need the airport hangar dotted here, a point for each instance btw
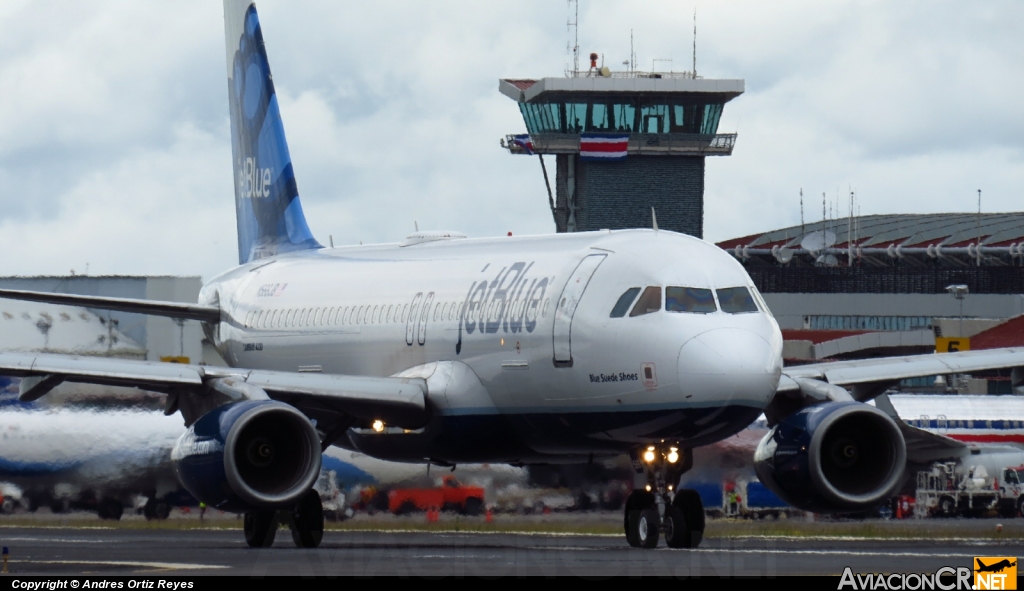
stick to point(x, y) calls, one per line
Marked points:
point(72, 330)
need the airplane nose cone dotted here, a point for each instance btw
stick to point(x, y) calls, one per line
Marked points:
point(728, 364)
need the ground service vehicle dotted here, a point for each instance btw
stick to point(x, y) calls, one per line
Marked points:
point(450, 496)
point(948, 490)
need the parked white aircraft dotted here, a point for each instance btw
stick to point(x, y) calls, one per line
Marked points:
point(523, 350)
point(70, 458)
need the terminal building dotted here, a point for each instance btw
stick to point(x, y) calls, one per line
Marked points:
point(625, 144)
point(884, 285)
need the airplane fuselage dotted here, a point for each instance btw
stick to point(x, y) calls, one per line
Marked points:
point(516, 335)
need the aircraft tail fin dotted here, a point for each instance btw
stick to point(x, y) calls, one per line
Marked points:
point(269, 215)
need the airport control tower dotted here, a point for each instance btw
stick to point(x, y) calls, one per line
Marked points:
point(624, 142)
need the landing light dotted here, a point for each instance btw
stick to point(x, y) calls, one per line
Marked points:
point(378, 426)
point(649, 456)
point(648, 488)
point(673, 457)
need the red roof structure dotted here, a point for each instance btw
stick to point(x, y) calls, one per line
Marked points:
point(818, 336)
point(1007, 334)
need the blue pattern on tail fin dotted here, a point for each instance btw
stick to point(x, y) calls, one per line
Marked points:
point(270, 218)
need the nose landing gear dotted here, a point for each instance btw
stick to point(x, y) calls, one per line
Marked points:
point(658, 508)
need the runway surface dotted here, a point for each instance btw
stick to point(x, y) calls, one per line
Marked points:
point(77, 551)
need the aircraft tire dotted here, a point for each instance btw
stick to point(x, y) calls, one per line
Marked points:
point(111, 509)
point(648, 528)
point(308, 521)
point(260, 528)
point(677, 532)
point(637, 501)
point(155, 509)
point(688, 501)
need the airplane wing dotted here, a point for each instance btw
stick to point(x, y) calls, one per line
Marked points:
point(865, 379)
point(890, 369)
point(151, 307)
point(195, 389)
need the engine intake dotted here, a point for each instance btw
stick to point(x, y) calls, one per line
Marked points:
point(248, 455)
point(842, 456)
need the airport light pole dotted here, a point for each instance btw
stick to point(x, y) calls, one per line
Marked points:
point(959, 292)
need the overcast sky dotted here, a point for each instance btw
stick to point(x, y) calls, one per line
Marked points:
point(114, 147)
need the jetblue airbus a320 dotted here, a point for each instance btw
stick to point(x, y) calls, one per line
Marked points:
point(445, 349)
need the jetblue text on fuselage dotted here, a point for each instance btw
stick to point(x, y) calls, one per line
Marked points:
point(254, 182)
point(510, 302)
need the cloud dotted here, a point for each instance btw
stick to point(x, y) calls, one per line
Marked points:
point(114, 143)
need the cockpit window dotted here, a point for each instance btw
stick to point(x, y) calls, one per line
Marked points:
point(736, 300)
point(689, 299)
point(622, 306)
point(650, 301)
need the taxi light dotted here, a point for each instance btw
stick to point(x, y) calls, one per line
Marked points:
point(378, 426)
point(649, 456)
point(648, 488)
point(673, 457)
point(670, 488)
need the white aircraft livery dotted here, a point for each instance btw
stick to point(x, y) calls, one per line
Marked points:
point(446, 349)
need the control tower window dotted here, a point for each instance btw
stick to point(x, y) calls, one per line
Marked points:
point(712, 113)
point(650, 301)
point(624, 113)
point(654, 119)
point(575, 117)
point(736, 300)
point(689, 299)
point(599, 117)
point(622, 306)
point(599, 114)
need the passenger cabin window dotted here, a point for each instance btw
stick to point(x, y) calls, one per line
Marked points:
point(689, 299)
point(736, 300)
point(622, 306)
point(650, 301)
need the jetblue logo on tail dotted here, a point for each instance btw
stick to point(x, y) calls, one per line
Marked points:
point(270, 218)
point(253, 182)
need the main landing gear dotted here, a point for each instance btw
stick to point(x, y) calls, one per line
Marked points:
point(657, 508)
point(306, 521)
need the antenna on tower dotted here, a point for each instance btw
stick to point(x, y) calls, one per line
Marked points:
point(695, 42)
point(632, 53)
point(573, 45)
point(802, 232)
point(849, 232)
point(823, 218)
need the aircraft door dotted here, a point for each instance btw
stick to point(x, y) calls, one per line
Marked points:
point(410, 322)
point(423, 318)
point(566, 307)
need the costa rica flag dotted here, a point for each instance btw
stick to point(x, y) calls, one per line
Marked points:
point(603, 147)
point(524, 142)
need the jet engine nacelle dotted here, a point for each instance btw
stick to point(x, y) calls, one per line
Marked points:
point(248, 455)
point(835, 457)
